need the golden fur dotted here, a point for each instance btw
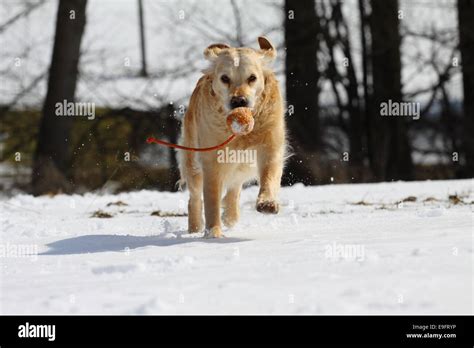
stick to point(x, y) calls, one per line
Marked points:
point(204, 125)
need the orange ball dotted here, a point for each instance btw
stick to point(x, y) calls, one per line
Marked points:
point(240, 121)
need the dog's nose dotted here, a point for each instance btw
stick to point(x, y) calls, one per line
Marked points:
point(237, 102)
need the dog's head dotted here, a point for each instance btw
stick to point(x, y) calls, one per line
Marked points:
point(239, 73)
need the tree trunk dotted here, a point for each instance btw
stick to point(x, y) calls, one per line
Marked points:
point(302, 73)
point(391, 153)
point(355, 132)
point(366, 72)
point(466, 45)
point(302, 77)
point(144, 70)
point(52, 153)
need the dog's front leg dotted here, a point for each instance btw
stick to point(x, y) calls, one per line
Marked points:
point(212, 201)
point(270, 166)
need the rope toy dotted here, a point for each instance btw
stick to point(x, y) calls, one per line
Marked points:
point(239, 122)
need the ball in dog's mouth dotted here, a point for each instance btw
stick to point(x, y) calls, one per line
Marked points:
point(240, 121)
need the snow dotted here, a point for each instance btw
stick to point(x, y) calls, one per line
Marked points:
point(350, 249)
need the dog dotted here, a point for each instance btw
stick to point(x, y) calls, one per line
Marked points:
point(236, 77)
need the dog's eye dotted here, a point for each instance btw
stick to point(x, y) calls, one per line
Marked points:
point(252, 78)
point(225, 79)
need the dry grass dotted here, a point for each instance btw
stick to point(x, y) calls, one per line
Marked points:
point(118, 203)
point(101, 214)
point(167, 214)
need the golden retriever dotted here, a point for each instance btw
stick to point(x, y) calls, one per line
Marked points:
point(236, 77)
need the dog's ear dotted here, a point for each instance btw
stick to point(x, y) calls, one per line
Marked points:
point(214, 50)
point(267, 50)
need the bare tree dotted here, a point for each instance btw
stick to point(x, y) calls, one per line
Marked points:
point(466, 45)
point(302, 78)
point(52, 153)
point(141, 19)
point(366, 105)
point(390, 148)
point(343, 79)
point(302, 75)
point(29, 7)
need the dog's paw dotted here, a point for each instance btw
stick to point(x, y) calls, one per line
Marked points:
point(213, 232)
point(194, 230)
point(267, 206)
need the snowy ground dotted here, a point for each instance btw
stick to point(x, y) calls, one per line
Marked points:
point(322, 254)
